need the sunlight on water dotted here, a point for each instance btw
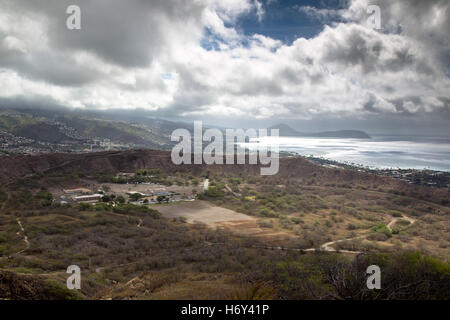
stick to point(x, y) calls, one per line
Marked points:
point(380, 152)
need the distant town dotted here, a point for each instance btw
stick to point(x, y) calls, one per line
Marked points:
point(11, 144)
point(22, 133)
point(424, 177)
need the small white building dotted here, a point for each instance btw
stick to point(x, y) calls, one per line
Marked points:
point(88, 198)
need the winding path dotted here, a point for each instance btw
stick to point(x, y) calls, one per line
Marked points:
point(328, 246)
point(25, 238)
point(394, 221)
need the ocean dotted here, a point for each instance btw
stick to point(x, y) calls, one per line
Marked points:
point(405, 152)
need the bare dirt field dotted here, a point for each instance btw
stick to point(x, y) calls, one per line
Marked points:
point(217, 217)
point(201, 211)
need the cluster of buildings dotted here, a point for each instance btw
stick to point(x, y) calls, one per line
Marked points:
point(13, 143)
point(425, 177)
point(429, 178)
point(158, 197)
point(83, 195)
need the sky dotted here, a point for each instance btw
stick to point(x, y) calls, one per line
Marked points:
point(315, 65)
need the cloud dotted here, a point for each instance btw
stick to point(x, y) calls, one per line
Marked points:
point(260, 12)
point(152, 55)
point(322, 14)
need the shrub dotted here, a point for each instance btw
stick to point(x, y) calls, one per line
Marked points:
point(397, 192)
point(14, 286)
point(257, 291)
point(214, 192)
point(377, 237)
point(265, 212)
point(130, 209)
point(57, 291)
point(85, 207)
point(44, 195)
point(297, 220)
point(382, 228)
point(3, 196)
point(101, 207)
point(235, 181)
point(402, 222)
point(351, 226)
point(410, 276)
point(395, 214)
point(135, 196)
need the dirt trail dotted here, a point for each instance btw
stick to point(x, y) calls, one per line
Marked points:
point(25, 238)
point(238, 195)
point(328, 246)
point(394, 221)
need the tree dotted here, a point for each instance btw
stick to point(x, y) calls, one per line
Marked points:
point(214, 192)
point(135, 196)
point(120, 199)
point(44, 195)
point(406, 275)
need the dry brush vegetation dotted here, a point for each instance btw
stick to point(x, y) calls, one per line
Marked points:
point(169, 258)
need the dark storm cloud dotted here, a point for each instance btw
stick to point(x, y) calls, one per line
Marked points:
point(33, 102)
point(128, 33)
point(54, 67)
point(366, 50)
point(428, 22)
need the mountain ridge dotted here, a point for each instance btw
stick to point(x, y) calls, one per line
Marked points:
point(287, 131)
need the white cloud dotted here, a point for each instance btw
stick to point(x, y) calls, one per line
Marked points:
point(321, 14)
point(260, 12)
point(347, 69)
